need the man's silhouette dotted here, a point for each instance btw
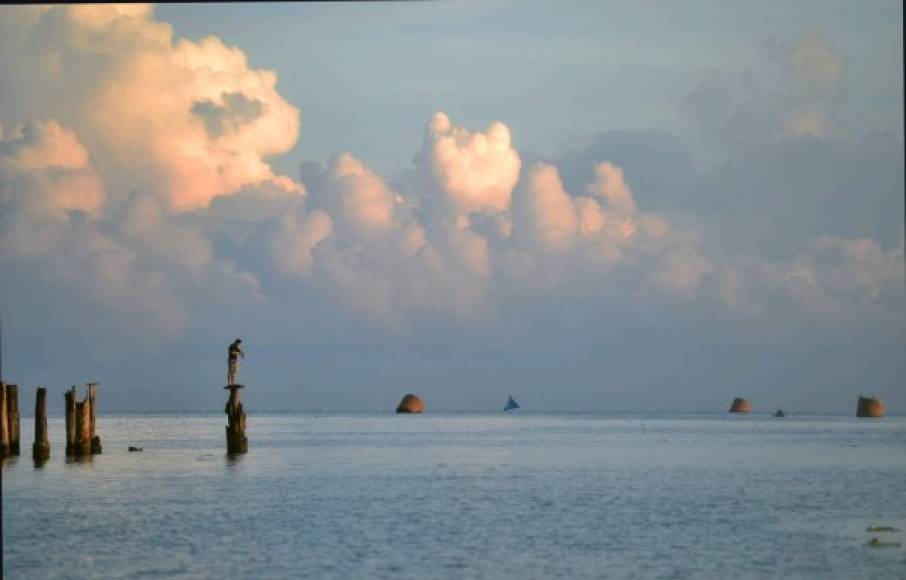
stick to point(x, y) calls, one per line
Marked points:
point(233, 354)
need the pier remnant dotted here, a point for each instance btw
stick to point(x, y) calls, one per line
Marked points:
point(41, 448)
point(4, 424)
point(235, 430)
point(12, 418)
point(81, 439)
point(95, 440)
point(870, 407)
point(740, 405)
point(410, 404)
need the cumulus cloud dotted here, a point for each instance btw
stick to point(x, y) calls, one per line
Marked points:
point(145, 190)
point(469, 233)
point(185, 121)
point(798, 95)
point(474, 170)
point(298, 235)
point(544, 211)
point(361, 242)
point(47, 169)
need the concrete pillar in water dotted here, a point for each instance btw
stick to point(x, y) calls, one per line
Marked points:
point(235, 430)
point(41, 448)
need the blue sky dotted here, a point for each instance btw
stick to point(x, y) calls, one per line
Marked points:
point(637, 205)
point(556, 73)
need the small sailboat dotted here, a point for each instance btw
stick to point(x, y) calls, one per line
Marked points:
point(511, 404)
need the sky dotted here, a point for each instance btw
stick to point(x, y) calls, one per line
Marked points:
point(608, 206)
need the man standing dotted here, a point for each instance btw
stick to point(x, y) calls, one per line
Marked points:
point(233, 354)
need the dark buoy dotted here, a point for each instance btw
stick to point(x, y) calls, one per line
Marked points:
point(870, 407)
point(410, 404)
point(741, 406)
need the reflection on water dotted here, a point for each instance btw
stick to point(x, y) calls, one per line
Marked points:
point(464, 495)
point(79, 459)
point(234, 459)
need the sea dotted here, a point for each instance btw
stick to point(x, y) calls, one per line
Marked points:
point(518, 495)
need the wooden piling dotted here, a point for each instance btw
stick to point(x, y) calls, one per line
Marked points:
point(70, 396)
point(4, 425)
point(80, 428)
point(12, 418)
point(41, 448)
point(95, 440)
point(235, 430)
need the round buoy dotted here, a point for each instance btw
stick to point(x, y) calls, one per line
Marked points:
point(410, 404)
point(741, 406)
point(870, 407)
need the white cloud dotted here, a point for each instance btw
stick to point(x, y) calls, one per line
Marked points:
point(186, 121)
point(475, 171)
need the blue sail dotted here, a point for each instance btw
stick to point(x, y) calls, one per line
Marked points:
point(511, 404)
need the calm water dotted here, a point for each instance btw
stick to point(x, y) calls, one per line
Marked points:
point(464, 496)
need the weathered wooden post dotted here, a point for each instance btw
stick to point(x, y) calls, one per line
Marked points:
point(70, 396)
point(12, 418)
point(95, 440)
point(80, 437)
point(41, 448)
point(83, 428)
point(4, 426)
point(235, 431)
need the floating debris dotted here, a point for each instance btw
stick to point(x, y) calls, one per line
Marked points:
point(876, 543)
point(881, 529)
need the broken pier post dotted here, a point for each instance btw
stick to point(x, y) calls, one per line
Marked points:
point(4, 424)
point(70, 396)
point(80, 429)
point(41, 448)
point(235, 430)
point(12, 418)
point(95, 440)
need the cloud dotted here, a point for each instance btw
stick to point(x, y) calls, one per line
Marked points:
point(47, 170)
point(544, 211)
point(362, 243)
point(137, 200)
point(293, 243)
point(138, 264)
point(799, 95)
point(474, 171)
point(185, 121)
point(359, 199)
point(609, 185)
